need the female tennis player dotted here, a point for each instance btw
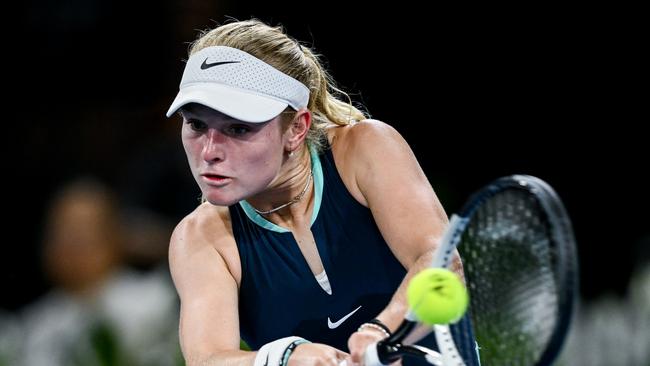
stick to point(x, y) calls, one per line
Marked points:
point(314, 217)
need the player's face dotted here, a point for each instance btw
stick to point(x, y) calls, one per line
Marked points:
point(231, 159)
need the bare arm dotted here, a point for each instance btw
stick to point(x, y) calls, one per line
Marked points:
point(403, 203)
point(209, 321)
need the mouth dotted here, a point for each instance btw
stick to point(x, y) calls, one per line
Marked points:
point(215, 178)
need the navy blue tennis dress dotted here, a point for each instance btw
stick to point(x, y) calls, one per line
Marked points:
point(279, 295)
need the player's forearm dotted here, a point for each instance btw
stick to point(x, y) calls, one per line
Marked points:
point(394, 313)
point(223, 358)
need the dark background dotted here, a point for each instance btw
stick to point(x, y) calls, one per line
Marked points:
point(478, 93)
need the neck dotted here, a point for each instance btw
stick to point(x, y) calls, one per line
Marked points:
point(290, 197)
point(296, 199)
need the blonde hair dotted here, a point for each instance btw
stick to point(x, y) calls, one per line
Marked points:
point(273, 46)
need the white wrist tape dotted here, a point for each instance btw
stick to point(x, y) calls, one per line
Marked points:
point(271, 353)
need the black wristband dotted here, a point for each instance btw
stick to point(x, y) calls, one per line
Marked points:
point(380, 324)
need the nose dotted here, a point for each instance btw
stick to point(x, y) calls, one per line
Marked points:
point(213, 147)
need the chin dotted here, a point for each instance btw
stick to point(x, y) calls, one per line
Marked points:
point(219, 201)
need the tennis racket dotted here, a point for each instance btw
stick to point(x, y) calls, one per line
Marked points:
point(520, 265)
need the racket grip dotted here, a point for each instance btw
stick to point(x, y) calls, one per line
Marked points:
point(370, 357)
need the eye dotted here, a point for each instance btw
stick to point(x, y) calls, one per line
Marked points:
point(197, 125)
point(238, 130)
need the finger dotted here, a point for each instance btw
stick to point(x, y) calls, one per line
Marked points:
point(352, 346)
point(348, 362)
point(355, 356)
point(357, 347)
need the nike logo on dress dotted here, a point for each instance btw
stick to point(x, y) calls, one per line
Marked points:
point(336, 324)
point(206, 65)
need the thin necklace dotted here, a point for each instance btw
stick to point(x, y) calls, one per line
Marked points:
point(294, 200)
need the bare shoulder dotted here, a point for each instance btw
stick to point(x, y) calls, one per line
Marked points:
point(359, 146)
point(206, 224)
point(363, 134)
point(207, 228)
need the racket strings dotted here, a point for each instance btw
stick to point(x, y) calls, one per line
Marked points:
point(508, 257)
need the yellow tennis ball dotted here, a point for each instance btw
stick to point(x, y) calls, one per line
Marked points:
point(437, 296)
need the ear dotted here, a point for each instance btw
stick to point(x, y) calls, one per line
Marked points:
point(297, 130)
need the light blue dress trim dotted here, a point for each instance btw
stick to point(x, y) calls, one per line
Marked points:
point(317, 170)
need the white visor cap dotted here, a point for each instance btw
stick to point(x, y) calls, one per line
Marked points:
point(239, 85)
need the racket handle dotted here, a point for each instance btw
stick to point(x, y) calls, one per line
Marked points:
point(370, 357)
